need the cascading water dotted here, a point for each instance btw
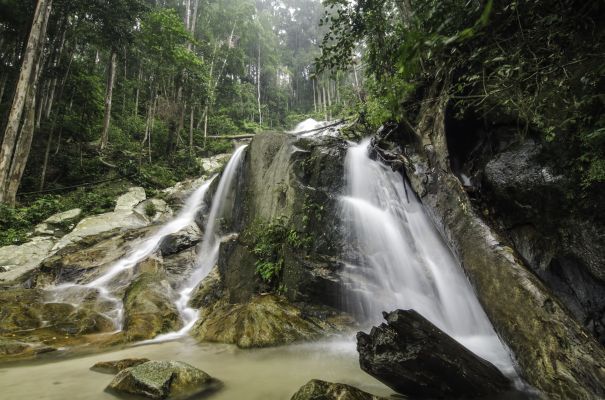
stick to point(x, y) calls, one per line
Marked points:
point(107, 284)
point(208, 254)
point(398, 259)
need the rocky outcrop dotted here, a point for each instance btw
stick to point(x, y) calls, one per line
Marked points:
point(149, 308)
point(261, 322)
point(173, 380)
point(531, 206)
point(294, 183)
point(113, 367)
point(322, 390)
point(15, 261)
point(417, 359)
point(555, 353)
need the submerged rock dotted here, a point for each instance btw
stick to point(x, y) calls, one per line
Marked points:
point(262, 322)
point(322, 390)
point(415, 358)
point(113, 367)
point(172, 380)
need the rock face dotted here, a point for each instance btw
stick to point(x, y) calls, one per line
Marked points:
point(113, 367)
point(555, 353)
point(295, 183)
point(563, 247)
point(261, 322)
point(172, 380)
point(415, 358)
point(322, 390)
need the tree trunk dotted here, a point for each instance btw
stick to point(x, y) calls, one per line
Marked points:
point(27, 78)
point(136, 101)
point(323, 91)
point(191, 129)
point(314, 98)
point(260, 113)
point(22, 149)
point(111, 77)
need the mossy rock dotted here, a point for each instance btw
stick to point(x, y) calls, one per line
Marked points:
point(173, 380)
point(322, 390)
point(264, 321)
point(149, 309)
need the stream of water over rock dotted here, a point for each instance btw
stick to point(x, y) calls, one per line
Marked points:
point(399, 260)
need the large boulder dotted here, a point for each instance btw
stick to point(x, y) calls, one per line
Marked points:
point(173, 380)
point(417, 359)
point(322, 390)
point(261, 322)
point(15, 261)
point(149, 308)
point(294, 184)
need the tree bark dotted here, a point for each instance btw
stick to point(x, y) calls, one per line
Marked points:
point(111, 77)
point(260, 113)
point(27, 78)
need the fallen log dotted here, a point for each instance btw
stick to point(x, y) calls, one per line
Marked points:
point(415, 358)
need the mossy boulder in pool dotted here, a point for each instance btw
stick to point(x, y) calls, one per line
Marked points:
point(173, 380)
point(264, 321)
point(322, 390)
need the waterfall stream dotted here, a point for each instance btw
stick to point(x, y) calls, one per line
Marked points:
point(208, 255)
point(116, 276)
point(399, 260)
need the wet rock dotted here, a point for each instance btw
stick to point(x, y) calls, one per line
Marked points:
point(80, 261)
point(113, 367)
point(184, 239)
point(172, 380)
point(262, 322)
point(208, 292)
point(322, 390)
point(149, 308)
point(17, 349)
point(415, 358)
point(295, 183)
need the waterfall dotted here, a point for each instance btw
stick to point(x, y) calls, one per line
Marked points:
point(208, 254)
point(113, 278)
point(399, 260)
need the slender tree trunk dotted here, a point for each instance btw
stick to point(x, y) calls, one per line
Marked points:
point(124, 82)
point(27, 78)
point(136, 100)
point(260, 113)
point(191, 120)
point(314, 99)
point(323, 91)
point(205, 124)
point(329, 99)
point(22, 150)
point(111, 78)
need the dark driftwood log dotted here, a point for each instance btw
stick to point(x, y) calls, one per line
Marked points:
point(415, 358)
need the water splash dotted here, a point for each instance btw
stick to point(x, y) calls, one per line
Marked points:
point(313, 128)
point(208, 255)
point(399, 260)
point(119, 274)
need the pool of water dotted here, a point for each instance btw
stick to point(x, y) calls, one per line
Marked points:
point(263, 374)
point(260, 374)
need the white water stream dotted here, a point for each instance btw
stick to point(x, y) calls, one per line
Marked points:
point(401, 262)
point(114, 277)
point(208, 255)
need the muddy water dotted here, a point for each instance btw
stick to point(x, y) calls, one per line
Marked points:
point(266, 374)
